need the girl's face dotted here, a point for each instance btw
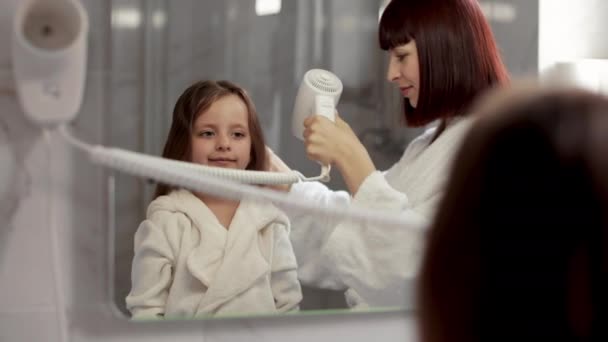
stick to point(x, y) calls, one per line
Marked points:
point(220, 135)
point(403, 70)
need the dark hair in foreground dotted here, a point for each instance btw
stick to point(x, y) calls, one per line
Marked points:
point(193, 102)
point(458, 57)
point(518, 251)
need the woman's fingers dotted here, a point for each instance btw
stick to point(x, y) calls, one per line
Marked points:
point(309, 120)
point(324, 138)
point(274, 163)
point(318, 141)
point(315, 125)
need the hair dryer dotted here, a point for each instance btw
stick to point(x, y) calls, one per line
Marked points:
point(49, 50)
point(318, 94)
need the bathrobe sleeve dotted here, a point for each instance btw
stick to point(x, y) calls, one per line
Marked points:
point(376, 263)
point(371, 262)
point(156, 243)
point(310, 233)
point(284, 278)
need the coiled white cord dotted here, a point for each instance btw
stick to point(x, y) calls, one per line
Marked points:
point(124, 160)
point(174, 173)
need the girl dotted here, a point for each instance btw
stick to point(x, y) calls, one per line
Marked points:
point(196, 254)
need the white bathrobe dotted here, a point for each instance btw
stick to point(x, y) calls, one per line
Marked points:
point(376, 264)
point(187, 264)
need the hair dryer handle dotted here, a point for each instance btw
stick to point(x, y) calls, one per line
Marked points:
point(325, 106)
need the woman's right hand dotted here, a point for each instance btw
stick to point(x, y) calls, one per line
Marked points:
point(335, 143)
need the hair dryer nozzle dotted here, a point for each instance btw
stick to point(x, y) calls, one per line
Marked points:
point(318, 92)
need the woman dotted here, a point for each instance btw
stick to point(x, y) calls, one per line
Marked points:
point(518, 249)
point(442, 55)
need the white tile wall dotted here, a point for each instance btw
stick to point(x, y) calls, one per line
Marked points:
point(572, 30)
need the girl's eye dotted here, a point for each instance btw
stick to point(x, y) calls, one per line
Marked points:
point(400, 58)
point(239, 135)
point(206, 134)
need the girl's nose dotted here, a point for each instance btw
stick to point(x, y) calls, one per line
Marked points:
point(223, 143)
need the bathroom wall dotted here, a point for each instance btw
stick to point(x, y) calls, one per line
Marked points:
point(572, 30)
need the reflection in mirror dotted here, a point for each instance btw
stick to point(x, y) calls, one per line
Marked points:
point(159, 49)
point(199, 255)
point(229, 40)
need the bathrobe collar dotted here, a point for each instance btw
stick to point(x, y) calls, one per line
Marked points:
point(227, 261)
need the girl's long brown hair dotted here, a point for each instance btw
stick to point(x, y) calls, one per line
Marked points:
point(194, 101)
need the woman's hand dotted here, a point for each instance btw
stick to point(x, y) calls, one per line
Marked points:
point(335, 143)
point(276, 164)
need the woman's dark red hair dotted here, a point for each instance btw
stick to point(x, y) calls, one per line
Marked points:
point(458, 57)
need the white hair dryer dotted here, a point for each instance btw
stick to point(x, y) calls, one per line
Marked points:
point(318, 94)
point(49, 50)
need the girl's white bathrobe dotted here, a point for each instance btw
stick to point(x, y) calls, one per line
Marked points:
point(187, 264)
point(376, 264)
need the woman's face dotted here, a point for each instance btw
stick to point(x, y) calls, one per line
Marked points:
point(403, 70)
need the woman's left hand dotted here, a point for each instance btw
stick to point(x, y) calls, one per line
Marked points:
point(276, 164)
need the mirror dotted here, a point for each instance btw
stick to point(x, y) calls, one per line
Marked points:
point(160, 47)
